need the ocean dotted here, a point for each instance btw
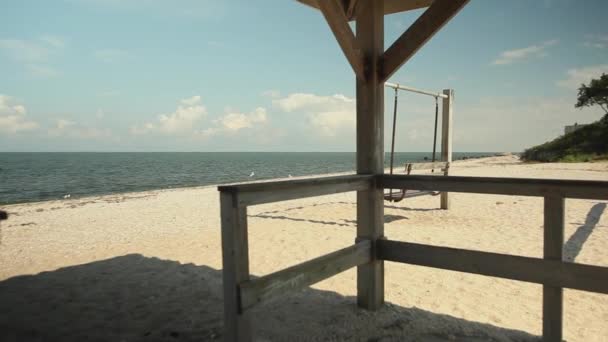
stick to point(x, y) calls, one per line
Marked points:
point(31, 177)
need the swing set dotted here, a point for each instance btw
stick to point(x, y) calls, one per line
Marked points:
point(398, 195)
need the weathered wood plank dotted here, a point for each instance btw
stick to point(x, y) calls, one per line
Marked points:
point(336, 18)
point(259, 290)
point(549, 272)
point(267, 192)
point(446, 138)
point(390, 6)
point(235, 260)
point(423, 29)
point(554, 210)
point(370, 148)
point(500, 186)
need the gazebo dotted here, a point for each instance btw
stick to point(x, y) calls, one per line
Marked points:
point(373, 65)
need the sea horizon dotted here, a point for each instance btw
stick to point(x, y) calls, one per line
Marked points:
point(42, 176)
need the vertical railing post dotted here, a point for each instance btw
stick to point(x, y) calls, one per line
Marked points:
point(446, 137)
point(553, 250)
point(235, 259)
point(370, 147)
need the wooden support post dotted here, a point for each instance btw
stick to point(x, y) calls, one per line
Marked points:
point(446, 138)
point(235, 259)
point(553, 246)
point(370, 148)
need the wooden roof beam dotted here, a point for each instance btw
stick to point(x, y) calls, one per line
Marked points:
point(396, 6)
point(349, 8)
point(333, 11)
point(423, 29)
point(390, 6)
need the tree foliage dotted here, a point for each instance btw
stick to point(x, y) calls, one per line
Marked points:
point(596, 93)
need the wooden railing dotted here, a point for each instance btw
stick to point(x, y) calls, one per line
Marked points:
point(242, 293)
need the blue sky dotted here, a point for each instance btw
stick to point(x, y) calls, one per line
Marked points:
point(212, 75)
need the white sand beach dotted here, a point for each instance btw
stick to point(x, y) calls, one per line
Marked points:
point(147, 266)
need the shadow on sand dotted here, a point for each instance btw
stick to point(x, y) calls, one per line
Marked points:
point(388, 218)
point(136, 298)
point(575, 243)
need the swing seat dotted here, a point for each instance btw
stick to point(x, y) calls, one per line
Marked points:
point(399, 195)
point(395, 196)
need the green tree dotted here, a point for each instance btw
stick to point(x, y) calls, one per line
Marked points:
point(596, 93)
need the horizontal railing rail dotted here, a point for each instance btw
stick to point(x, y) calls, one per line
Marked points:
point(241, 293)
point(267, 192)
point(534, 270)
point(581, 189)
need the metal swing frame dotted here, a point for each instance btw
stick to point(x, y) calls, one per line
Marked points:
point(397, 196)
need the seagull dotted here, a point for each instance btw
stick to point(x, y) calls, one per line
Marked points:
point(67, 196)
point(289, 175)
point(252, 174)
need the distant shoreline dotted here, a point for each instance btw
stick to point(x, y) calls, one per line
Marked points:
point(204, 186)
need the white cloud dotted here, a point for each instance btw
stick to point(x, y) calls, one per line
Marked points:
point(12, 117)
point(238, 121)
point(330, 123)
point(34, 54)
point(271, 93)
point(578, 76)
point(191, 101)
point(598, 41)
point(327, 115)
point(517, 55)
point(25, 51)
point(71, 129)
point(233, 122)
point(532, 121)
point(189, 112)
point(63, 124)
point(304, 101)
point(111, 55)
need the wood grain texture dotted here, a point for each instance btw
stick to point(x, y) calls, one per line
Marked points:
point(334, 14)
point(499, 186)
point(267, 192)
point(553, 311)
point(235, 261)
point(370, 148)
point(447, 123)
point(549, 272)
point(305, 274)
